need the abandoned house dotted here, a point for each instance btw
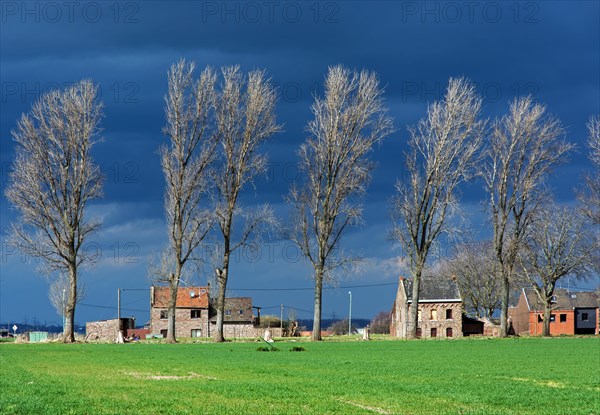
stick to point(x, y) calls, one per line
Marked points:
point(439, 313)
point(191, 311)
point(573, 312)
point(107, 330)
point(195, 314)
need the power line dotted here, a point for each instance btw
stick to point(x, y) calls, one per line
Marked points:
point(312, 288)
point(111, 308)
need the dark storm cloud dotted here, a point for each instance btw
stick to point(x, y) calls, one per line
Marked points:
point(548, 49)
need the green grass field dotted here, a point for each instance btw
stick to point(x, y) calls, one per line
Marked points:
point(482, 376)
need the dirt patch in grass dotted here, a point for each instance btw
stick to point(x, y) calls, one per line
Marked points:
point(151, 376)
point(366, 407)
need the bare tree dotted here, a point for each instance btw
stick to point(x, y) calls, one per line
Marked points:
point(185, 163)
point(58, 294)
point(558, 245)
point(347, 122)
point(479, 285)
point(52, 180)
point(245, 118)
point(523, 146)
point(381, 323)
point(591, 198)
point(444, 148)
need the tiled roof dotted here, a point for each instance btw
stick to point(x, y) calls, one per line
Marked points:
point(434, 288)
point(184, 297)
point(237, 309)
point(565, 299)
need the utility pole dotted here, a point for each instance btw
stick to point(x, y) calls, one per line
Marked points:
point(119, 309)
point(350, 315)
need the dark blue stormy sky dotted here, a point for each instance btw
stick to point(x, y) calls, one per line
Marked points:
point(546, 48)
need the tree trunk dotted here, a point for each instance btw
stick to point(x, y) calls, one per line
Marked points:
point(222, 283)
point(173, 288)
point(413, 310)
point(504, 307)
point(69, 333)
point(547, 315)
point(316, 332)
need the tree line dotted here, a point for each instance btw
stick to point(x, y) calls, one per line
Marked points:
point(215, 125)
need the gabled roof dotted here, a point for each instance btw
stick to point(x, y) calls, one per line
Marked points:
point(565, 299)
point(433, 289)
point(185, 298)
point(237, 309)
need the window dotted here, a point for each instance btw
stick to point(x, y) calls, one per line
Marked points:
point(227, 312)
point(418, 332)
point(163, 314)
point(196, 333)
point(553, 299)
point(449, 331)
point(540, 318)
point(241, 311)
point(552, 318)
point(449, 314)
point(419, 315)
point(433, 332)
point(164, 333)
point(563, 318)
point(195, 314)
point(434, 314)
point(584, 317)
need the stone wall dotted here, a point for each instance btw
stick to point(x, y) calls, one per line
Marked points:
point(438, 321)
point(105, 330)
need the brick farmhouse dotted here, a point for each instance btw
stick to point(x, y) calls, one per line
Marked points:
point(439, 313)
point(195, 314)
point(573, 312)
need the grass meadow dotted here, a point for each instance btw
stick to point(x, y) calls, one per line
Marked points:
point(461, 376)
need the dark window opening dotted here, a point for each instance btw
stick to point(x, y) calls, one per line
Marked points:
point(563, 318)
point(195, 314)
point(163, 314)
point(449, 314)
point(584, 317)
point(552, 318)
point(227, 312)
point(448, 331)
point(418, 332)
point(540, 318)
point(434, 332)
point(241, 311)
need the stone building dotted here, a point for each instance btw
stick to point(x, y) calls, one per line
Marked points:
point(239, 320)
point(440, 308)
point(191, 311)
point(195, 314)
point(107, 330)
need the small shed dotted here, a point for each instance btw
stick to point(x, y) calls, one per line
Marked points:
point(38, 336)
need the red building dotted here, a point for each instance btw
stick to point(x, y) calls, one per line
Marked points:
point(573, 312)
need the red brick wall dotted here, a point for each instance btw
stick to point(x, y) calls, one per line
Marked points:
point(556, 327)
